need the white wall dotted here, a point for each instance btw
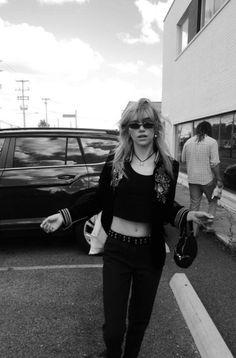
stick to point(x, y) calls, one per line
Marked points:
point(202, 80)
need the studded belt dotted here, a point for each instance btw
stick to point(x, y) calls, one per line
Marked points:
point(133, 240)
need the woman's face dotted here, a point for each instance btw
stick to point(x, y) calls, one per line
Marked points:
point(142, 132)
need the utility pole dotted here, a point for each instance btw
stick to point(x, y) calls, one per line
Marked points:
point(76, 121)
point(23, 98)
point(46, 109)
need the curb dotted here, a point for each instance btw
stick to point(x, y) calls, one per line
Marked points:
point(207, 338)
point(224, 239)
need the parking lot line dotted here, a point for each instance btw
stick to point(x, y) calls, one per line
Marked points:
point(49, 267)
point(205, 334)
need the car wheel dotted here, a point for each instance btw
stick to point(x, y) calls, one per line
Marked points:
point(83, 233)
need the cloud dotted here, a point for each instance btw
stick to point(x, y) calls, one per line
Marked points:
point(38, 51)
point(3, 2)
point(70, 73)
point(128, 67)
point(61, 2)
point(152, 18)
point(155, 70)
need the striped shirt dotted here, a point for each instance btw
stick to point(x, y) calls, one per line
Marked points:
point(200, 157)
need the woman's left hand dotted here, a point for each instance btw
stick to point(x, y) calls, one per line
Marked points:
point(200, 217)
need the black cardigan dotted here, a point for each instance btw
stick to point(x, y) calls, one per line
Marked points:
point(164, 208)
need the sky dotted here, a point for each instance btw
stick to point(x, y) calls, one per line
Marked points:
point(86, 57)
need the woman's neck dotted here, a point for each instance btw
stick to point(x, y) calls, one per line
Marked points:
point(143, 152)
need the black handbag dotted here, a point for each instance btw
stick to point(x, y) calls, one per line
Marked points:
point(186, 249)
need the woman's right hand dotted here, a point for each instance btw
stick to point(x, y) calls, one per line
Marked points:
point(52, 223)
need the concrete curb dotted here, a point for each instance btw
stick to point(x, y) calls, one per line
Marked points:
point(206, 336)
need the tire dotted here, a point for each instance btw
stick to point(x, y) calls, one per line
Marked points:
point(83, 231)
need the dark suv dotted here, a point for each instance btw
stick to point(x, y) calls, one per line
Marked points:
point(45, 169)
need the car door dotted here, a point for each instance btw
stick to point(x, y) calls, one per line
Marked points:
point(42, 175)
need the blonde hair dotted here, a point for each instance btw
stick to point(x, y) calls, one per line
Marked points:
point(136, 112)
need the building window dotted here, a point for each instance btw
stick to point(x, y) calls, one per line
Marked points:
point(198, 14)
point(215, 125)
point(189, 24)
point(183, 133)
point(227, 142)
point(209, 8)
point(183, 28)
point(224, 131)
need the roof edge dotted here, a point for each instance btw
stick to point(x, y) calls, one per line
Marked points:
point(168, 11)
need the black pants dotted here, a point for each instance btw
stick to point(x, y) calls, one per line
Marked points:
point(130, 283)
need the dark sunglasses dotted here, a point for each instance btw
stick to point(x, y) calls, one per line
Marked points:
point(146, 125)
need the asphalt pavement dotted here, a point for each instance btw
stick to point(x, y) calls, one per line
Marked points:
point(213, 272)
point(51, 300)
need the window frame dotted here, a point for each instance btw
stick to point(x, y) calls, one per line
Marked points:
point(195, 13)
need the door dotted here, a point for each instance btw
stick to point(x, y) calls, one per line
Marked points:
point(42, 175)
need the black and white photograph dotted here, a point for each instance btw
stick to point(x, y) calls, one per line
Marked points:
point(117, 179)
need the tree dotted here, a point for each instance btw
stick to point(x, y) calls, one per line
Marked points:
point(43, 124)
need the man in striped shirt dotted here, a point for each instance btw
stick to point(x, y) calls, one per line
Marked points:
point(201, 155)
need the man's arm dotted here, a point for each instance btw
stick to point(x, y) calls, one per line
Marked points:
point(183, 155)
point(215, 163)
point(216, 171)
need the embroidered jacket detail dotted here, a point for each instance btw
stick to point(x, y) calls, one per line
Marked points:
point(117, 175)
point(162, 183)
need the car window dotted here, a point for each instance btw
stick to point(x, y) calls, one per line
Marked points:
point(2, 160)
point(74, 155)
point(1, 144)
point(97, 149)
point(46, 151)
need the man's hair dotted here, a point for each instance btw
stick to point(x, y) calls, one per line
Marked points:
point(203, 128)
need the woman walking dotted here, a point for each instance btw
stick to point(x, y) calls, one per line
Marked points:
point(136, 196)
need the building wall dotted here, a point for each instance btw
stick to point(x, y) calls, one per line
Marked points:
point(201, 81)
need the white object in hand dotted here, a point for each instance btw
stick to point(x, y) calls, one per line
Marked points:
point(217, 193)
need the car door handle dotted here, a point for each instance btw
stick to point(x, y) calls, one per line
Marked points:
point(66, 176)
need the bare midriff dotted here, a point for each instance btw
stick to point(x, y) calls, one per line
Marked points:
point(130, 228)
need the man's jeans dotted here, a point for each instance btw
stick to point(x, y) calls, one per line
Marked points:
point(196, 191)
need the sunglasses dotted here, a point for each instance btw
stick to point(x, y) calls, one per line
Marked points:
point(146, 125)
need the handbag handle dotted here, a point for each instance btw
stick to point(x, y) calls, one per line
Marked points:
point(187, 229)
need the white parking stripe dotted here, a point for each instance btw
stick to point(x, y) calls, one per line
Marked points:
point(55, 267)
point(50, 267)
point(205, 334)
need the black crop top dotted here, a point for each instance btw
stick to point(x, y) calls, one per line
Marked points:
point(133, 199)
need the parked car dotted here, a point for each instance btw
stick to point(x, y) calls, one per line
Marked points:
point(230, 177)
point(45, 169)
